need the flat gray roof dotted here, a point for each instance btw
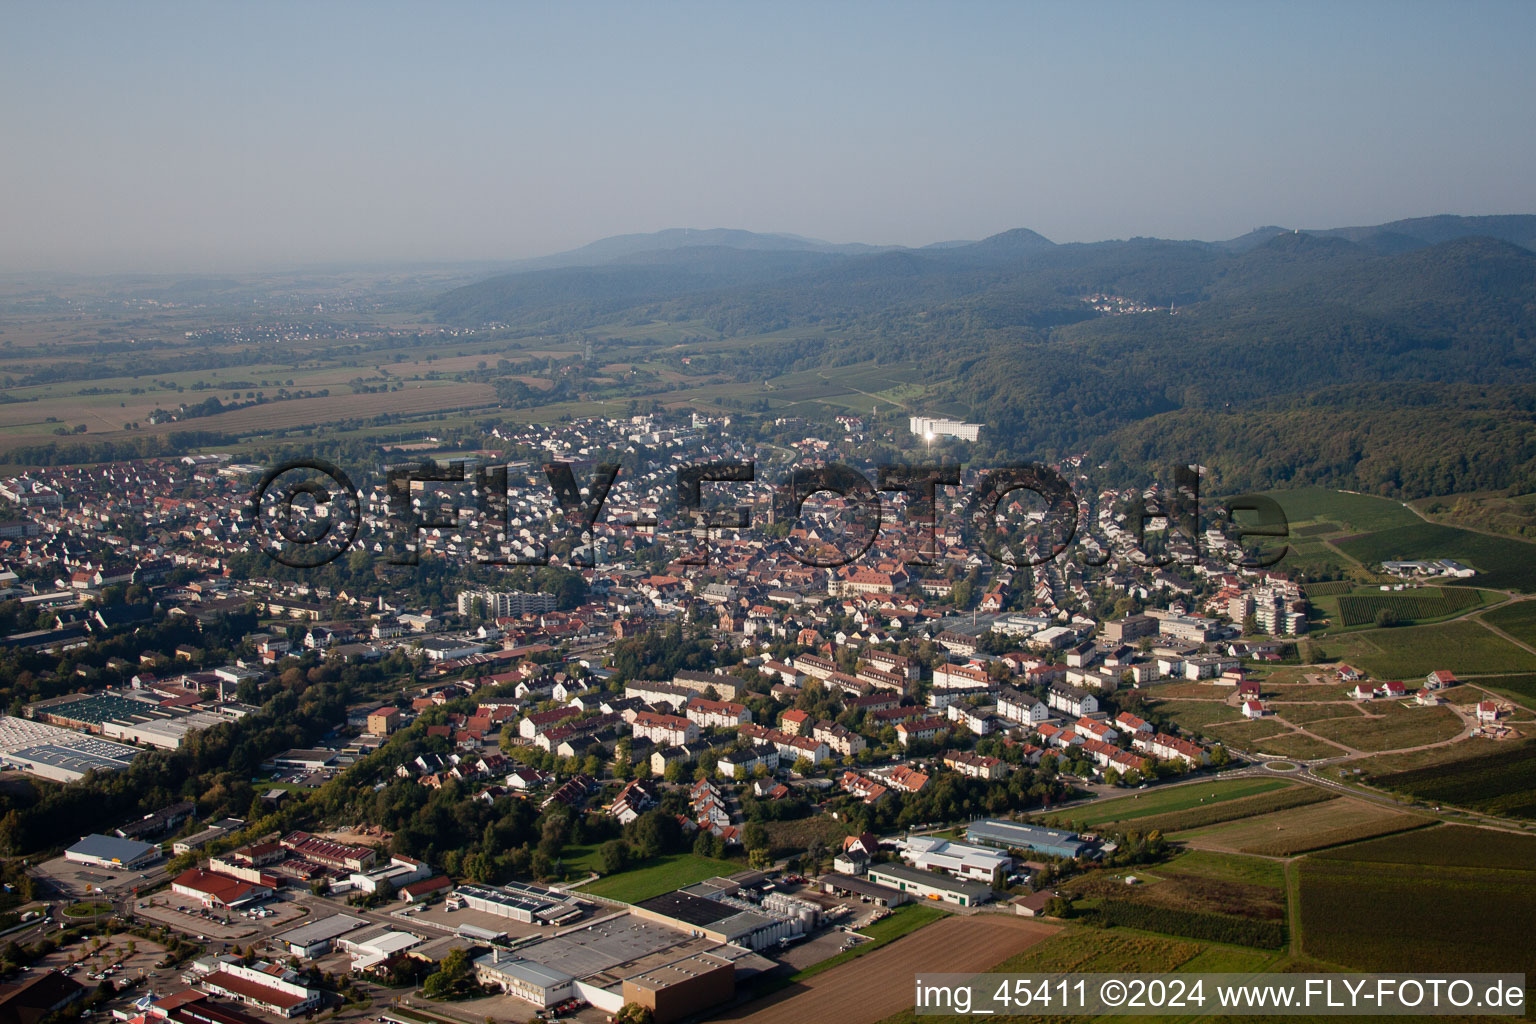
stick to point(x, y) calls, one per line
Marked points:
point(525, 897)
point(526, 970)
point(124, 851)
point(862, 886)
point(932, 879)
point(583, 952)
point(319, 931)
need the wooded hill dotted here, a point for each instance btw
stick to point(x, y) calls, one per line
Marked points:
point(1395, 358)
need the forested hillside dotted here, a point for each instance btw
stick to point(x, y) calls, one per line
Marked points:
point(1396, 359)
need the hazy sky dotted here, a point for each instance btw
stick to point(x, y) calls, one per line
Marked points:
point(206, 136)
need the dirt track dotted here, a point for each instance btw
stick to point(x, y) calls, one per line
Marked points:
point(873, 987)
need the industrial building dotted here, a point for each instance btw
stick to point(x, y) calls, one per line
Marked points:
point(853, 885)
point(930, 886)
point(399, 872)
point(623, 959)
point(318, 937)
point(58, 754)
point(519, 901)
point(973, 863)
point(531, 982)
point(684, 987)
point(112, 852)
point(123, 717)
point(1010, 835)
point(372, 946)
point(715, 909)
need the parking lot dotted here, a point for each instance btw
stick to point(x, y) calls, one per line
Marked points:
point(79, 880)
point(119, 959)
point(186, 914)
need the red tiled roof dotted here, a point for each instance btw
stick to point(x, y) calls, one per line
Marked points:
point(221, 888)
point(252, 990)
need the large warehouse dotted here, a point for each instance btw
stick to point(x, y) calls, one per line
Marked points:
point(318, 937)
point(929, 885)
point(1010, 835)
point(111, 852)
point(58, 754)
point(975, 863)
point(519, 901)
point(622, 959)
point(718, 915)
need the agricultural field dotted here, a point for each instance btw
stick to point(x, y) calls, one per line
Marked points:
point(1227, 867)
point(1169, 798)
point(1328, 588)
point(659, 875)
point(1305, 692)
point(1299, 829)
point(1500, 782)
point(1412, 652)
point(1518, 620)
point(1078, 950)
point(1395, 726)
point(1361, 513)
point(1501, 562)
point(1498, 513)
point(1385, 764)
point(1414, 903)
point(904, 920)
point(1445, 846)
point(1422, 604)
point(1521, 688)
point(105, 422)
point(1198, 895)
point(878, 985)
point(1183, 689)
point(1291, 795)
point(1315, 558)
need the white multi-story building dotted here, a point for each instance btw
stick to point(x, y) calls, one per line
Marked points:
point(502, 604)
point(1020, 707)
point(929, 426)
point(1071, 700)
point(666, 730)
point(975, 863)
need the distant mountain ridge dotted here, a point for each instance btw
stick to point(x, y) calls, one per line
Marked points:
point(666, 264)
point(617, 247)
point(1057, 347)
